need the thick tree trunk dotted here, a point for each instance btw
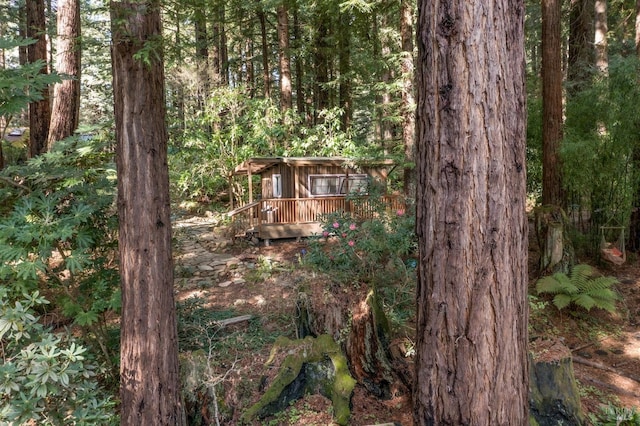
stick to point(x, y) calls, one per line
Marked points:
point(552, 189)
point(472, 309)
point(39, 111)
point(580, 58)
point(65, 115)
point(408, 99)
point(638, 28)
point(149, 379)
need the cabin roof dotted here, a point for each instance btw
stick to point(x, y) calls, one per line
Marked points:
point(258, 164)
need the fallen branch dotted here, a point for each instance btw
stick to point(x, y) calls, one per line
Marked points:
point(593, 364)
point(611, 387)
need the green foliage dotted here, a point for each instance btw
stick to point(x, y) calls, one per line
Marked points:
point(23, 84)
point(45, 378)
point(357, 250)
point(612, 415)
point(58, 228)
point(581, 288)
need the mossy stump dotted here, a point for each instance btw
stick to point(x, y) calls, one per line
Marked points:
point(554, 397)
point(556, 251)
point(311, 365)
point(355, 319)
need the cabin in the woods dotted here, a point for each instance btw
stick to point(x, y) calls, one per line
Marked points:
point(297, 191)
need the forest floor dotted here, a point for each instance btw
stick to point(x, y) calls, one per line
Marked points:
point(247, 279)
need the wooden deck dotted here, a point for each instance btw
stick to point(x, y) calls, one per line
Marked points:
point(300, 217)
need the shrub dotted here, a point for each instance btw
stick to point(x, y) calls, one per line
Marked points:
point(45, 377)
point(359, 250)
point(581, 288)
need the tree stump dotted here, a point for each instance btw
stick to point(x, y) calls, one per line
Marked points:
point(554, 397)
point(356, 320)
point(556, 251)
point(309, 365)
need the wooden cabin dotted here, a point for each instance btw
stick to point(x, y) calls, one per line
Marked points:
point(297, 191)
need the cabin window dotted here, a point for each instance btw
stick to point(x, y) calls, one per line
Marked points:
point(276, 181)
point(331, 185)
point(354, 184)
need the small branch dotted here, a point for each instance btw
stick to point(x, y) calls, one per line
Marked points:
point(593, 364)
point(16, 184)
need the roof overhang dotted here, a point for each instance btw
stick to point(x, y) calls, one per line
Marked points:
point(259, 164)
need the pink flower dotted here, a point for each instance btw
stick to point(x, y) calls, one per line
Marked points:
point(352, 226)
point(325, 234)
point(336, 225)
point(400, 212)
point(352, 243)
point(344, 235)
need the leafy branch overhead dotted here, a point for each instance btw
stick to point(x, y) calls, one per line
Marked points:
point(582, 287)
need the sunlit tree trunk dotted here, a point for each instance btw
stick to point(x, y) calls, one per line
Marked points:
point(471, 345)
point(65, 114)
point(408, 98)
point(552, 113)
point(638, 28)
point(286, 102)
point(600, 40)
point(149, 377)
point(39, 111)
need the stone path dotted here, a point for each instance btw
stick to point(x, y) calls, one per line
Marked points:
point(202, 257)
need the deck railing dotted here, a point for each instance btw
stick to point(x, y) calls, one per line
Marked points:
point(308, 210)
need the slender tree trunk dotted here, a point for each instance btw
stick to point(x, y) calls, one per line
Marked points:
point(39, 111)
point(297, 37)
point(202, 53)
point(600, 41)
point(552, 189)
point(149, 378)
point(321, 64)
point(408, 98)
point(472, 309)
point(344, 60)
point(65, 115)
point(638, 28)
point(266, 72)
point(286, 102)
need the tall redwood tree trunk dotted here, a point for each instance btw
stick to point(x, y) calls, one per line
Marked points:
point(39, 111)
point(552, 189)
point(408, 98)
point(471, 344)
point(149, 379)
point(66, 99)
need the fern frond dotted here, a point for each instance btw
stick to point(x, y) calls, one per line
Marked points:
point(584, 301)
point(562, 301)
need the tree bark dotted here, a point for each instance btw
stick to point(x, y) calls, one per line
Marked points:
point(638, 28)
point(286, 100)
point(552, 189)
point(472, 309)
point(39, 111)
point(600, 40)
point(266, 72)
point(580, 58)
point(65, 115)
point(149, 379)
point(344, 65)
point(408, 98)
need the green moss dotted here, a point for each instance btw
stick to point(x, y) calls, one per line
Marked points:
point(338, 386)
